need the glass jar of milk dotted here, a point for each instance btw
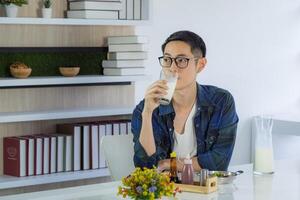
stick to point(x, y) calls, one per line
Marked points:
point(263, 149)
point(171, 78)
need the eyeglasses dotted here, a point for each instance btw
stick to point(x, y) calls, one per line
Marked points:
point(181, 62)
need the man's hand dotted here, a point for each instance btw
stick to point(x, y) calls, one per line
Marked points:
point(157, 90)
point(165, 165)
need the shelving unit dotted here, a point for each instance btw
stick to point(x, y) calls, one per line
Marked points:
point(61, 81)
point(68, 21)
point(7, 182)
point(9, 117)
point(80, 35)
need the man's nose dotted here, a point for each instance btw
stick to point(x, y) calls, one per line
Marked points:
point(173, 67)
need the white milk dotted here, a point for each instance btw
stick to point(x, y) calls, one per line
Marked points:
point(166, 99)
point(263, 162)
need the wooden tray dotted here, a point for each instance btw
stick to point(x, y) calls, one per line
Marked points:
point(211, 186)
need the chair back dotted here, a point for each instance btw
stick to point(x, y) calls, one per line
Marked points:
point(118, 152)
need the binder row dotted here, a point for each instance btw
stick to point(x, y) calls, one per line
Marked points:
point(75, 146)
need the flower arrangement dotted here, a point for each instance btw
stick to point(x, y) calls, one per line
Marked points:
point(47, 3)
point(147, 184)
point(15, 2)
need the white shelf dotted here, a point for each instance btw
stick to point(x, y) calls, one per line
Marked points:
point(60, 80)
point(7, 182)
point(68, 21)
point(8, 117)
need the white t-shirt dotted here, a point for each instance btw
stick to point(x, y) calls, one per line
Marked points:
point(186, 143)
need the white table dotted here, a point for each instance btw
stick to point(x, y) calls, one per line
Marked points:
point(284, 184)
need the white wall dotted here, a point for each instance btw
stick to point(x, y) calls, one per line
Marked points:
point(253, 50)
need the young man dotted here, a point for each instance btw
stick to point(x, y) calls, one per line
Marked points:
point(200, 121)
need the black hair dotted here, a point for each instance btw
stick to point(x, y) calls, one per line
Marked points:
point(195, 41)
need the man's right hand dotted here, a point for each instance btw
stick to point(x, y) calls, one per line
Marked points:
point(156, 90)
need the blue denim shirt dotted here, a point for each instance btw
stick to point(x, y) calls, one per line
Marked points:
point(215, 124)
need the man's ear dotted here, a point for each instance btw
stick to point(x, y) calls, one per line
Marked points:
point(201, 64)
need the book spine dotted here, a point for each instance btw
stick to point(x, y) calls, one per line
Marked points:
point(11, 156)
point(137, 9)
point(129, 6)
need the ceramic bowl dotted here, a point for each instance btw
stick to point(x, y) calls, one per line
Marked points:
point(20, 72)
point(69, 71)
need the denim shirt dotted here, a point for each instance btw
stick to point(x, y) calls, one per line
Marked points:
point(215, 124)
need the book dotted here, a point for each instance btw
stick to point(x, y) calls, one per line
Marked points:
point(108, 131)
point(95, 5)
point(102, 132)
point(123, 11)
point(123, 71)
point(136, 9)
point(75, 131)
point(68, 157)
point(38, 154)
point(130, 39)
point(126, 55)
point(123, 127)
point(85, 147)
point(29, 155)
point(14, 156)
point(126, 47)
point(92, 14)
point(53, 153)
point(46, 154)
point(60, 152)
point(129, 9)
point(116, 128)
point(122, 63)
point(145, 7)
point(94, 147)
point(129, 127)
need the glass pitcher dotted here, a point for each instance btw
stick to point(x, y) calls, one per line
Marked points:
point(263, 156)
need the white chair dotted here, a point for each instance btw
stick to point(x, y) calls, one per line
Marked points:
point(118, 152)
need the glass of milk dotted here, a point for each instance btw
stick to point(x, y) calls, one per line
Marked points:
point(263, 149)
point(171, 78)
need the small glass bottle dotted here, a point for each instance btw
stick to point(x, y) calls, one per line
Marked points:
point(187, 176)
point(173, 168)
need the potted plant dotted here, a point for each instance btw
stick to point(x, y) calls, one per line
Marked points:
point(11, 6)
point(47, 10)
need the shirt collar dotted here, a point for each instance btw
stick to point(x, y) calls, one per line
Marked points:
point(202, 103)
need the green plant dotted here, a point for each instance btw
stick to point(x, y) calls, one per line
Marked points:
point(147, 184)
point(47, 3)
point(15, 2)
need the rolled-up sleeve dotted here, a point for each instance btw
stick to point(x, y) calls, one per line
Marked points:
point(222, 139)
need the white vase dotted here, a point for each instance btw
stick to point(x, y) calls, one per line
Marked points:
point(47, 12)
point(11, 10)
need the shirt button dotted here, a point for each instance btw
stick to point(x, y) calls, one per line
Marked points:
point(197, 125)
point(170, 129)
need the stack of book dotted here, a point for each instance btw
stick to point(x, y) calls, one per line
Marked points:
point(94, 9)
point(126, 56)
point(76, 147)
point(108, 9)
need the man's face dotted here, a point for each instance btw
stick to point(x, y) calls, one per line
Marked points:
point(186, 76)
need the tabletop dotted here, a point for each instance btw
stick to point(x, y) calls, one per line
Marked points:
point(284, 183)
